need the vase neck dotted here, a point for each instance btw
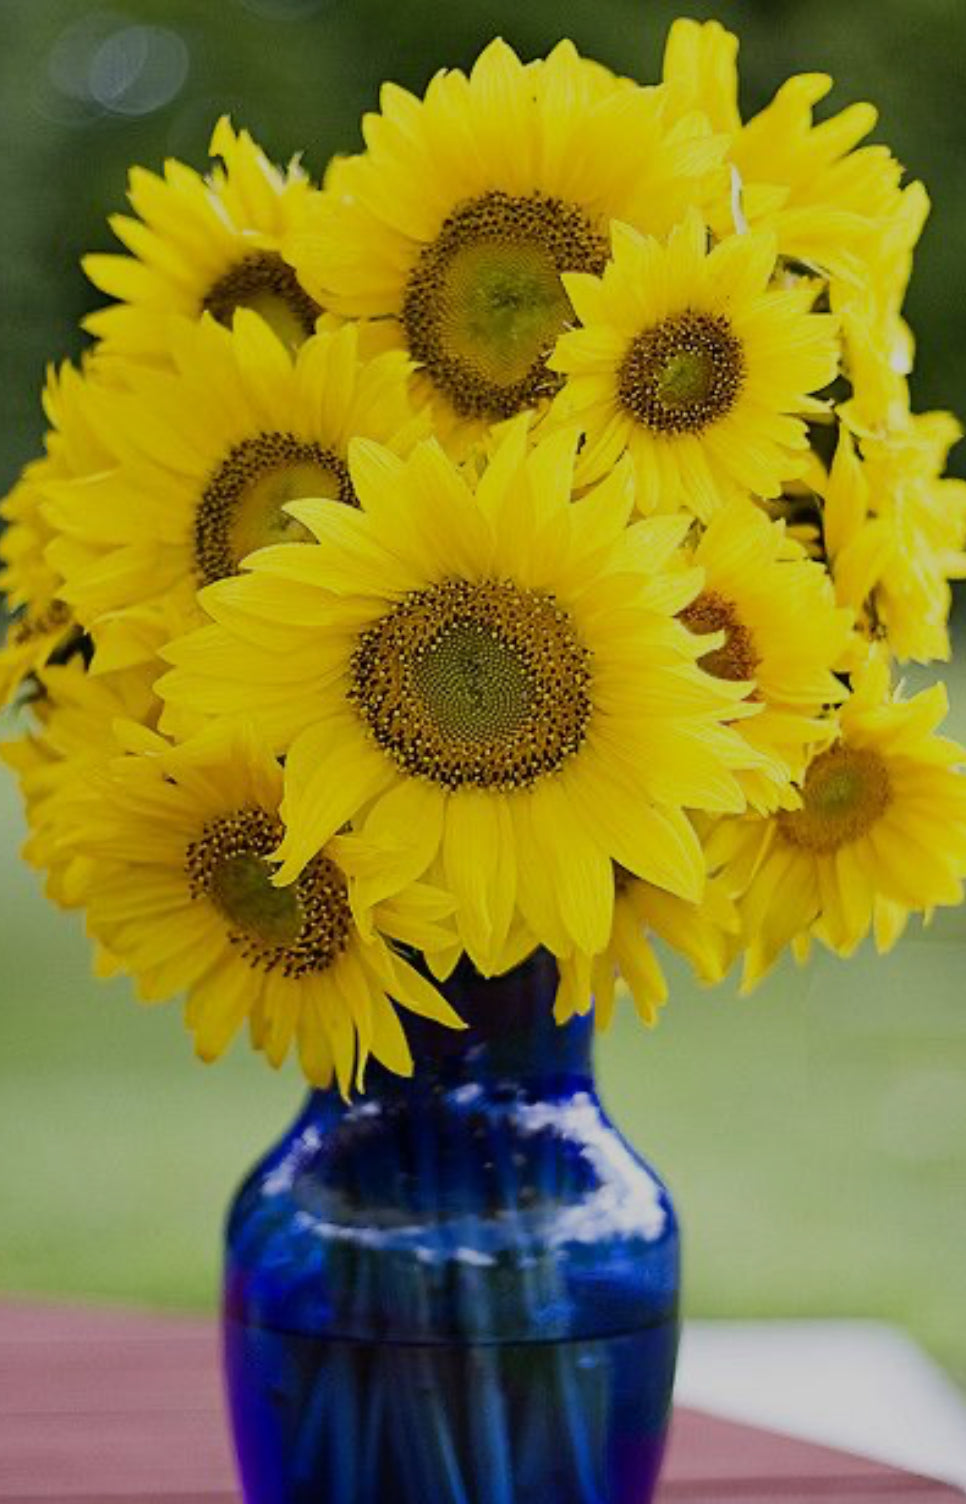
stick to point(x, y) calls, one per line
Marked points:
point(511, 1043)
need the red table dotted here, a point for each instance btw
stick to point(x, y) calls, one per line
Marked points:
point(116, 1407)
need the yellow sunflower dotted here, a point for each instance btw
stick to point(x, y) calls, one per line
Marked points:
point(44, 627)
point(881, 833)
point(181, 841)
point(204, 245)
point(456, 222)
point(206, 456)
point(783, 636)
point(498, 679)
point(70, 732)
point(690, 362)
point(832, 204)
point(895, 530)
point(705, 933)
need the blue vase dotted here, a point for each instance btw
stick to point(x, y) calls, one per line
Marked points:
point(461, 1288)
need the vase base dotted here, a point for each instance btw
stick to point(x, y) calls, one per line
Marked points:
point(353, 1422)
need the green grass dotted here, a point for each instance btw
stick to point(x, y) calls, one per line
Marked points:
point(814, 1135)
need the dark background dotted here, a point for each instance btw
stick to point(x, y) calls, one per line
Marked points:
point(88, 89)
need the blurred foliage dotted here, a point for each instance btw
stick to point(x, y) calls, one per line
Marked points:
point(89, 89)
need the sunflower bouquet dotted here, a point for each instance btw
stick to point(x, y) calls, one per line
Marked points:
point(505, 544)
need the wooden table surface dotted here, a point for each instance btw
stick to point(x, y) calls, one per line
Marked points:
point(117, 1407)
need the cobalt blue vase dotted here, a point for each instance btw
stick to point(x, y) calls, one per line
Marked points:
point(461, 1288)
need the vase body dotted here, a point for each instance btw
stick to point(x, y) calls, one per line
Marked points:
point(461, 1288)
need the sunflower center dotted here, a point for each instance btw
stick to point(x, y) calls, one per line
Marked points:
point(300, 929)
point(485, 304)
point(683, 374)
point(737, 658)
point(243, 504)
point(846, 791)
point(474, 685)
point(265, 283)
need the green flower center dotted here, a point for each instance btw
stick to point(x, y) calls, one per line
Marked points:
point(265, 283)
point(485, 305)
point(846, 791)
point(684, 374)
point(299, 929)
point(242, 507)
point(474, 685)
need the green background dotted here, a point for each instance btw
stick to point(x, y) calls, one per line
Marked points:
point(815, 1134)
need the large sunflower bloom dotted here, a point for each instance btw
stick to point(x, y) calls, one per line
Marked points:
point(760, 590)
point(203, 245)
point(881, 833)
point(181, 839)
point(206, 456)
point(500, 680)
point(690, 362)
point(456, 222)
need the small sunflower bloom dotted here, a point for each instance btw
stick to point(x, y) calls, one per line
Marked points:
point(760, 586)
point(834, 205)
point(181, 841)
point(707, 934)
point(894, 533)
point(203, 245)
point(688, 360)
point(496, 679)
point(455, 224)
point(880, 835)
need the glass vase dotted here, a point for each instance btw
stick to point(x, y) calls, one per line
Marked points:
point(461, 1288)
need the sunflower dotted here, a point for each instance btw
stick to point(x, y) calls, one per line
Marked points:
point(206, 456)
point(182, 897)
point(456, 222)
point(44, 628)
point(832, 204)
point(204, 245)
point(894, 531)
point(72, 717)
point(881, 833)
point(690, 362)
point(706, 933)
point(497, 680)
point(760, 588)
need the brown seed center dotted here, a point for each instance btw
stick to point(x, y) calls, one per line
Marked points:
point(265, 283)
point(485, 304)
point(846, 791)
point(683, 374)
point(737, 658)
point(474, 685)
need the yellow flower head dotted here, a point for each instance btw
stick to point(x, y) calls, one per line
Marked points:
point(206, 456)
point(782, 631)
point(497, 679)
point(73, 732)
point(44, 627)
point(895, 531)
point(688, 360)
point(180, 841)
point(204, 245)
point(706, 933)
point(881, 833)
point(832, 204)
point(458, 219)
